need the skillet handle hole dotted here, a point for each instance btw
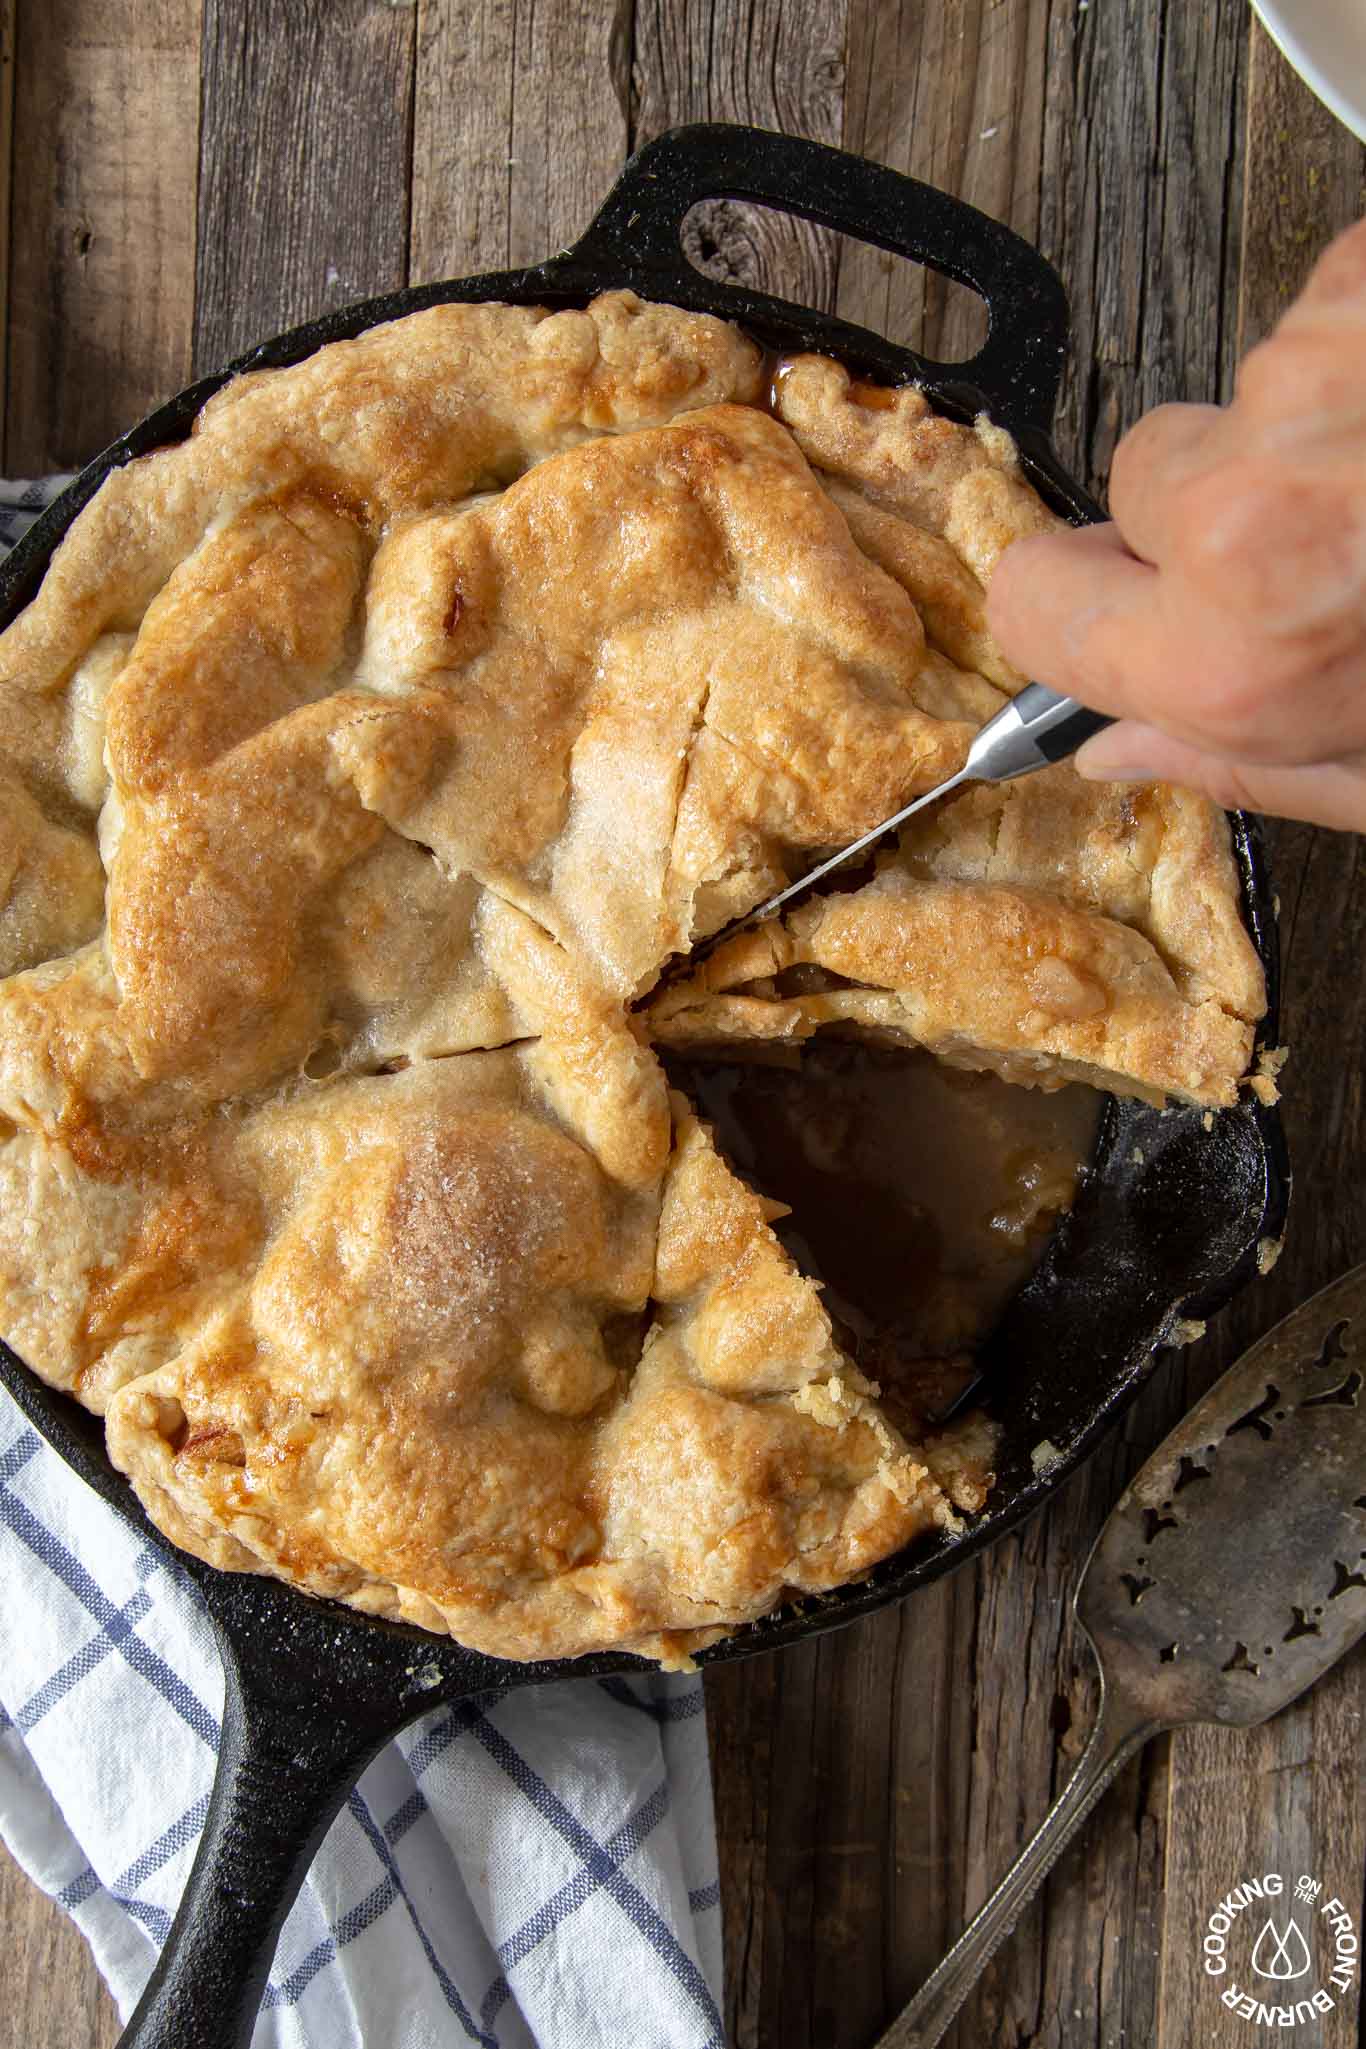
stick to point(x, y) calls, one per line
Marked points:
point(764, 249)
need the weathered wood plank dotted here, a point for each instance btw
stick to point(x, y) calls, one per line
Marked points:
point(1306, 179)
point(777, 64)
point(952, 95)
point(102, 257)
point(1140, 205)
point(519, 127)
point(53, 1994)
point(6, 172)
point(307, 144)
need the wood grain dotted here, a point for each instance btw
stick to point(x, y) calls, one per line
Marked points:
point(307, 139)
point(519, 127)
point(1305, 180)
point(775, 63)
point(6, 177)
point(1141, 184)
point(54, 1996)
point(952, 95)
point(102, 256)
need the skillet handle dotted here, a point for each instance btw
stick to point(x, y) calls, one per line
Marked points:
point(284, 1769)
point(638, 230)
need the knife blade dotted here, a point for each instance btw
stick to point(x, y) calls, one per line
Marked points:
point(1036, 729)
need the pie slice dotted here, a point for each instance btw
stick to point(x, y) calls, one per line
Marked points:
point(750, 1457)
point(1147, 856)
point(398, 1404)
point(1047, 930)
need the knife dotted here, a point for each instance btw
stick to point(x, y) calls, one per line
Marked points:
point(1033, 731)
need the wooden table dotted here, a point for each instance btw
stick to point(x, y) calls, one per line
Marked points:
point(190, 175)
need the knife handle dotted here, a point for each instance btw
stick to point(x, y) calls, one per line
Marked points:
point(1034, 730)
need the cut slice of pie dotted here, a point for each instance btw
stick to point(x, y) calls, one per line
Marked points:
point(750, 1457)
point(1048, 930)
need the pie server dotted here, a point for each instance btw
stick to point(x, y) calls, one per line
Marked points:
point(1167, 1224)
point(1227, 1579)
point(1033, 731)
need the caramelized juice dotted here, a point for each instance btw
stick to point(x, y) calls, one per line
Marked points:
point(920, 1196)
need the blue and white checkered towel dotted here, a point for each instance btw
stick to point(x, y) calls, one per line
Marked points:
point(21, 502)
point(537, 1871)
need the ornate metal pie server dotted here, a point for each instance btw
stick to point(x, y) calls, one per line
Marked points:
point(1230, 1575)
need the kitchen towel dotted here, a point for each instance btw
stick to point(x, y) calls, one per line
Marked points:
point(534, 1870)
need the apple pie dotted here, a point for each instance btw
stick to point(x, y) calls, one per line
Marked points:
point(365, 758)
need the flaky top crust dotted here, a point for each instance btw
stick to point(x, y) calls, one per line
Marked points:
point(362, 760)
point(1048, 930)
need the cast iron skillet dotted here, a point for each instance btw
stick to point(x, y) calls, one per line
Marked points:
point(314, 1690)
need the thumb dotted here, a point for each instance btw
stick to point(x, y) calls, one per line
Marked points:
point(1325, 793)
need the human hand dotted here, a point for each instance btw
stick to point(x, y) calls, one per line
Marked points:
point(1221, 616)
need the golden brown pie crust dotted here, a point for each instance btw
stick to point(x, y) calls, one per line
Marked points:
point(362, 761)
